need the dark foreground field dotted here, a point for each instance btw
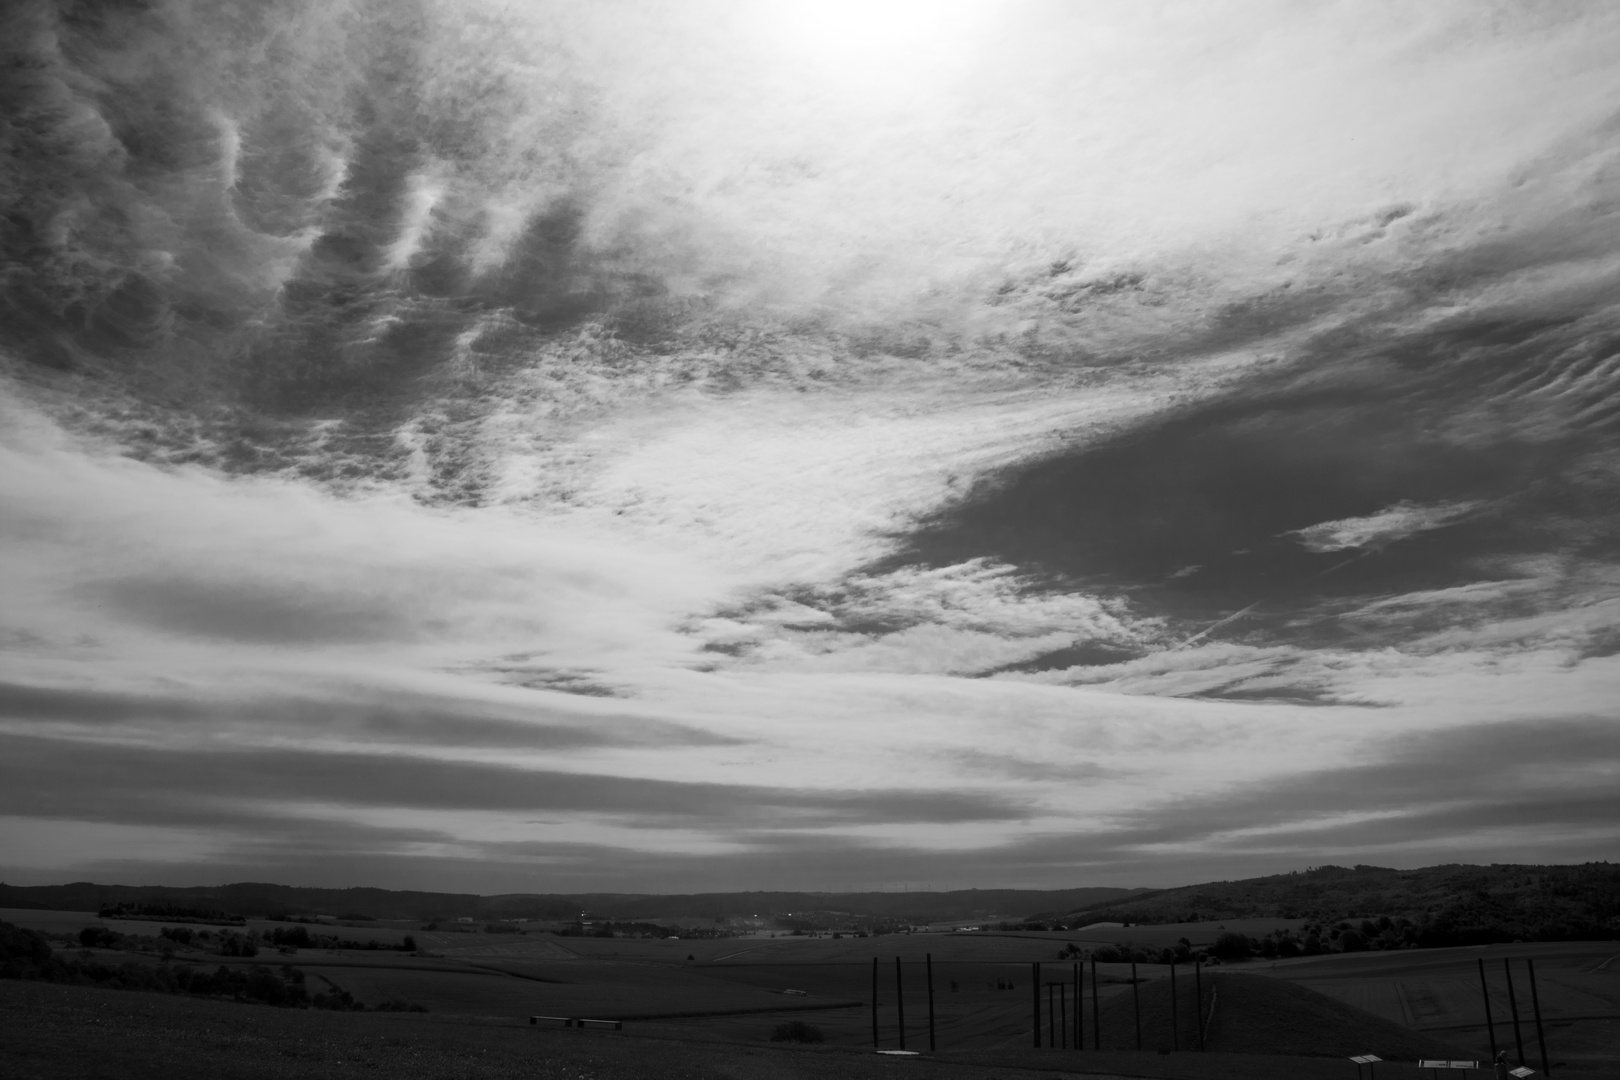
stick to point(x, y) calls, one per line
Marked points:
point(707, 1008)
point(50, 1032)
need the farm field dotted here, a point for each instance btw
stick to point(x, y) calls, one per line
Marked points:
point(1438, 991)
point(50, 1032)
point(733, 990)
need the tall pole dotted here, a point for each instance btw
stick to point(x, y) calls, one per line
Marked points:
point(1535, 1003)
point(1198, 996)
point(1136, 997)
point(1513, 1004)
point(899, 1003)
point(1063, 1014)
point(1485, 992)
point(1079, 1009)
point(1051, 1017)
point(1035, 988)
point(874, 1004)
point(1175, 1035)
point(929, 959)
point(1096, 1008)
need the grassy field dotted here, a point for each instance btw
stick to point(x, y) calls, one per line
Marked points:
point(50, 1032)
point(733, 990)
point(1438, 991)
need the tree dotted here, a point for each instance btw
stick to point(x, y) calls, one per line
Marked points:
point(1231, 946)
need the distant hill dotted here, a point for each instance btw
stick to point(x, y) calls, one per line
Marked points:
point(263, 899)
point(1462, 904)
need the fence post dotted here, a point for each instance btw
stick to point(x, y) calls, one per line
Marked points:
point(1079, 1010)
point(1198, 998)
point(1513, 1005)
point(1485, 992)
point(1063, 1013)
point(1175, 1034)
point(899, 1003)
point(929, 960)
point(1535, 1003)
point(1035, 988)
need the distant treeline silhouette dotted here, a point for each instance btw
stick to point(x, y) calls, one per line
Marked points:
point(173, 913)
point(256, 899)
point(27, 954)
point(1384, 908)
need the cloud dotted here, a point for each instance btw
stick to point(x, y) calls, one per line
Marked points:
point(170, 785)
point(1374, 532)
point(350, 714)
point(746, 445)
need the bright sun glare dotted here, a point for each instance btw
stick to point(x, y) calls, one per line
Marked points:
point(874, 38)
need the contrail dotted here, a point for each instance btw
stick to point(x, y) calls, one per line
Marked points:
point(1212, 627)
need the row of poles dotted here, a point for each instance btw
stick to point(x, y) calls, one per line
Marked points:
point(900, 1000)
point(1058, 1009)
point(1513, 1005)
point(1059, 1014)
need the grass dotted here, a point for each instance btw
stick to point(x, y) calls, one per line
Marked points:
point(1427, 995)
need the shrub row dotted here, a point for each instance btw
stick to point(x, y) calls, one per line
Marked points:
point(25, 954)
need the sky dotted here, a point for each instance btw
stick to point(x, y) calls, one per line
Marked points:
point(543, 447)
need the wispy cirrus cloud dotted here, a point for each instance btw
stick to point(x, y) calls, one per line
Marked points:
point(1374, 532)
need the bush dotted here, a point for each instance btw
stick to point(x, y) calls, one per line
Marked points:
point(238, 945)
point(22, 952)
point(1231, 946)
point(796, 1031)
point(399, 1005)
point(99, 937)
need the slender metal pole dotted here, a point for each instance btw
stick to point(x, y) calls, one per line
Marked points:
point(899, 1003)
point(1175, 1023)
point(1513, 1004)
point(1198, 995)
point(1079, 1009)
point(1485, 992)
point(929, 959)
point(1136, 997)
point(1051, 1017)
point(874, 1005)
point(1096, 1008)
point(1535, 1003)
point(1035, 988)
point(1063, 1014)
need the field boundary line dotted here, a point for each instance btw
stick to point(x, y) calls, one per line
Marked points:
point(1407, 1013)
point(1550, 1020)
point(483, 968)
point(750, 1011)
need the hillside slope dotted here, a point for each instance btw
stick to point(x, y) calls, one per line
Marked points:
point(1464, 904)
point(1253, 1014)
